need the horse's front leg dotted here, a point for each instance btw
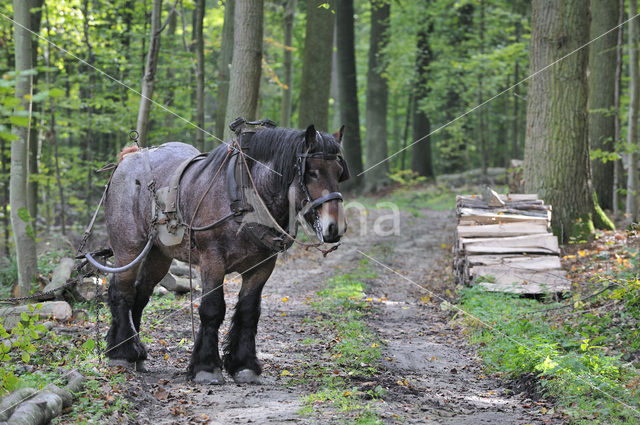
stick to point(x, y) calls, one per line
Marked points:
point(206, 365)
point(240, 358)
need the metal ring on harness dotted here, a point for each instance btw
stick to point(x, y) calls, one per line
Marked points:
point(107, 269)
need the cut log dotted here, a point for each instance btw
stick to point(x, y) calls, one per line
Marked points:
point(75, 382)
point(512, 197)
point(474, 216)
point(61, 275)
point(502, 230)
point(177, 284)
point(86, 289)
point(58, 310)
point(39, 409)
point(522, 281)
point(515, 262)
point(492, 198)
point(13, 400)
point(531, 244)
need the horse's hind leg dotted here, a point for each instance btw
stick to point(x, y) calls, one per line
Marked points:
point(153, 269)
point(206, 365)
point(123, 344)
point(240, 358)
point(129, 292)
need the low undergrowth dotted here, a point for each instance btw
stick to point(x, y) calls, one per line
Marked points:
point(583, 350)
point(349, 353)
point(31, 356)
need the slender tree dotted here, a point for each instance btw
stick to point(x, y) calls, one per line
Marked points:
point(22, 230)
point(617, 167)
point(377, 95)
point(199, 46)
point(148, 81)
point(247, 62)
point(348, 90)
point(316, 68)
point(602, 72)
point(632, 126)
point(34, 145)
point(421, 151)
point(287, 81)
point(556, 163)
point(226, 57)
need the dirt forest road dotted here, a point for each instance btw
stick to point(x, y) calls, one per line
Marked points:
point(428, 372)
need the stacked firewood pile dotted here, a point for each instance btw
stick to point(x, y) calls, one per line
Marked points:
point(503, 243)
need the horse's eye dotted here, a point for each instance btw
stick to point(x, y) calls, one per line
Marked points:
point(313, 174)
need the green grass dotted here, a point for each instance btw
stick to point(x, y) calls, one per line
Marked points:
point(354, 351)
point(416, 197)
point(573, 366)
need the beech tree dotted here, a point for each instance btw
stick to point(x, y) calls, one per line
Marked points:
point(632, 126)
point(226, 56)
point(23, 232)
point(377, 96)
point(421, 151)
point(602, 72)
point(348, 90)
point(148, 80)
point(246, 65)
point(316, 69)
point(556, 163)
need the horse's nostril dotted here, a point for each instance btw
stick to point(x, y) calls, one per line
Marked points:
point(332, 230)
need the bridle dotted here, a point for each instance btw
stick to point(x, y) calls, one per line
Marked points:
point(309, 205)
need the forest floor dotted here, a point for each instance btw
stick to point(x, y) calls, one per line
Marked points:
point(413, 363)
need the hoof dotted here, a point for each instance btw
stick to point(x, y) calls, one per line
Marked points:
point(209, 378)
point(246, 376)
point(141, 366)
point(122, 363)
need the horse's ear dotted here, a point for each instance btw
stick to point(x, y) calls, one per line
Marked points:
point(338, 134)
point(309, 137)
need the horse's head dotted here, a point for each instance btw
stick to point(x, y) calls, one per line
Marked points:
point(320, 168)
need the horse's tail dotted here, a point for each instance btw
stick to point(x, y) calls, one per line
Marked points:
point(127, 150)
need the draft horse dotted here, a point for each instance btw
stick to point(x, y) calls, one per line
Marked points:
point(156, 194)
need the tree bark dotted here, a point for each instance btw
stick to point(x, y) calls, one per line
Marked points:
point(246, 65)
point(22, 230)
point(377, 96)
point(148, 80)
point(631, 209)
point(170, 74)
point(226, 57)
point(199, 46)
point(617, 167)
point(481, 112)
point(316, 68)
point(348, 91)
point(287, 80)
point(34, 145)
point(556, 163)
point(421, 152)
point(602, 71)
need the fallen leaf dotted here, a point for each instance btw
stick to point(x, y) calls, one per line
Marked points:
point(161, 394)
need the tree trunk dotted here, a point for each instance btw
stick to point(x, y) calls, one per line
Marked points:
point(556, 163)
point(515, 151)
point(421, 151)
point(148, 80)
point(226, 57)
point(247, 62)
point(377, 94)
point(617, 168)
point(170, 75)
point(287, 81)
point(348, 91)
point(631, 210)
point(602, 71)
point(199, 46)
point(51, 134)
point(86, 94)
point(34, 145)
point(481, 112)
point(22, 230)
point(316, 68)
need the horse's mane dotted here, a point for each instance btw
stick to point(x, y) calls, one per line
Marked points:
point(278, 148)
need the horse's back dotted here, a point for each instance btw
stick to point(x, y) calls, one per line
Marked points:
point(128, 200)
